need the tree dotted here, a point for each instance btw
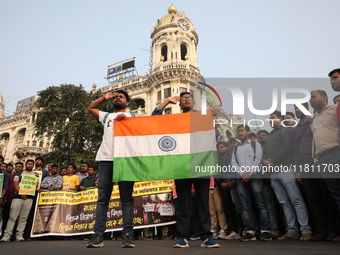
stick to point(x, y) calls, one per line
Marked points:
point(64, 117)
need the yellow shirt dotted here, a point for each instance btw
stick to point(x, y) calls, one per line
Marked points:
point(70, 182)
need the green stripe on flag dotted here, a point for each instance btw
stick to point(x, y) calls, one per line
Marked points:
point(154, 168)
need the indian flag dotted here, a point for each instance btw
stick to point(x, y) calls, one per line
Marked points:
point(164, 147)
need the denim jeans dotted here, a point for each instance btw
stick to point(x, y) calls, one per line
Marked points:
point(294, 207)
point(105, 185)
point(270, 199)
point(253, 188)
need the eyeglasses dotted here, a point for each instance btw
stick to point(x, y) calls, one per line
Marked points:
point(220, 147)
point(186, 98)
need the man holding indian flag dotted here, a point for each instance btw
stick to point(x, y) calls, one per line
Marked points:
point(105, 155)
point(183, 187)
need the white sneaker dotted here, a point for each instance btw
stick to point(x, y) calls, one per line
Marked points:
point(19, 239)
point(5, 238)
point(232, 236)
point(215, 236)
point(222, 234)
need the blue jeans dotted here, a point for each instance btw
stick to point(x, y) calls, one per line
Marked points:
point(270, 199)
point(294, 207)
point(105, 185)
point(253, 188)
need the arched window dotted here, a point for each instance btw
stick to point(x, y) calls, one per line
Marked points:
point(164, 53)
point(184, 52)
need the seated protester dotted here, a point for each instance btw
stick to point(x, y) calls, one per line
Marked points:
point(53, 181)
point(70, 181)
point(89, 181)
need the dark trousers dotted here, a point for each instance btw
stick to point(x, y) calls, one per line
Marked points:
point(183, 206)
point(230, 210)
point(104, 194)
point(328, 162)
point(322, 206)
point(195, 224)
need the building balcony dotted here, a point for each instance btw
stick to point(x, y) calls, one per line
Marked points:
point(30, 150)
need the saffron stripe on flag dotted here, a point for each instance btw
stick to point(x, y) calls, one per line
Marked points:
point(181, 123)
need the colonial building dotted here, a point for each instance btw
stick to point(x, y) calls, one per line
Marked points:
point(17, 142)
point(174, 69)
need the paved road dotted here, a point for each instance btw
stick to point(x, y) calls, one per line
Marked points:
point(164, 247)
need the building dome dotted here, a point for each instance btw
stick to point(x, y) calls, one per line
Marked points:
point(172, 9)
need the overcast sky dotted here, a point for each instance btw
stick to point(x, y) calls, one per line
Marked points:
point(46, 42)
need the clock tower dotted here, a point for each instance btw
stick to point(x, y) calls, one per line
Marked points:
point(174, 40)
point(174, 60)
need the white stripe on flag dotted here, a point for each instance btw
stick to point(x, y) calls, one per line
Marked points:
point(151, 145)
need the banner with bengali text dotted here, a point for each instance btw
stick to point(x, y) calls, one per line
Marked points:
point(65, 213)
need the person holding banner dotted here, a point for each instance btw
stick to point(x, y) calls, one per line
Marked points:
point(183, 189)
point(105, 155)
point(25, 186)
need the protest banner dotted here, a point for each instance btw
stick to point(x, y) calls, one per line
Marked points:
point(64, 213)
point(28, 185)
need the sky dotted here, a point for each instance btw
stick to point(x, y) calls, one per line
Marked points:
point(48, 43)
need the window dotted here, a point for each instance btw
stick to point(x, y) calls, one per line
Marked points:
point(167, 92)
point(34, 143)
point(184, 52)
point(167, 111)
point(159, 95)
point(164, 53)
point(41, 144)
point(183, 89)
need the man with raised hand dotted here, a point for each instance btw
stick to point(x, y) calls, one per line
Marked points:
point(183, 188)
point(105, 155)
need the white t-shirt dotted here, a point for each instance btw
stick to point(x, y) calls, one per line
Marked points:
point(105, 152)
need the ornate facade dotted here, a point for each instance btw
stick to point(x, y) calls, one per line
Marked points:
point(174, 69)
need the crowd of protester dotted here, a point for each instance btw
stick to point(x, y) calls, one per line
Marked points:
point(18, 210)
point(284, 183)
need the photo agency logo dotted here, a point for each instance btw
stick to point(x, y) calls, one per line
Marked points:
point(204, 94)
point(294, 96)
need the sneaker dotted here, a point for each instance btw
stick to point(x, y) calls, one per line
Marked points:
point(215, 236)
point(222, 234)
point(248, 237)
point(5, 238)
point(95, 241)
point(181, 243)
point(127, 242)
point(265, 236)
point(232, 236)
point(19, 239)
point(194, 238)
point(209, 243)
